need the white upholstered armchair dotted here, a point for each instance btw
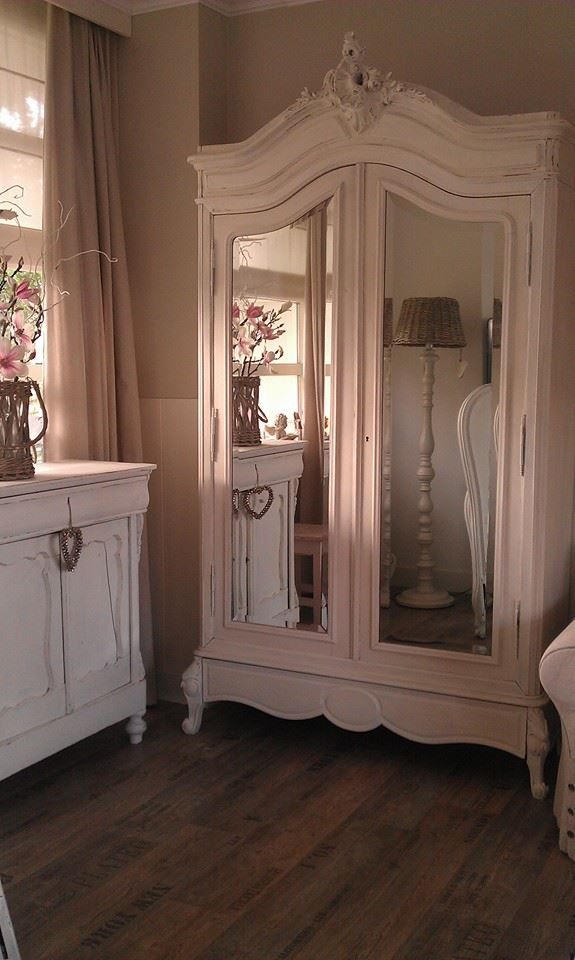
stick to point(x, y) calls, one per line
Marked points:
point(557, 672)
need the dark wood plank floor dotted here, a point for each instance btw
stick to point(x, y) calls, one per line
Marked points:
point(265, 839)
point(447, 628)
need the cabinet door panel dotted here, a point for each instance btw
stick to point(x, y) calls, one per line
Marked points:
point(442, 481)
point(32, 670)
point(268, 555)
point(97, 614)
point(239, 571)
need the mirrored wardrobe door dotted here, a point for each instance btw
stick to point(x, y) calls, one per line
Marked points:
point(281, 311)
point(443, 282)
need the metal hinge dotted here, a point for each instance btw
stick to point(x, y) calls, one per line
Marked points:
point(529, 253)
point(212, 590)
point(213, 435)
point(517, 626)
point(523, 443)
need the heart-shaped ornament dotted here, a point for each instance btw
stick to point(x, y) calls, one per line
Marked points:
point(255, 491)
point(71, 543)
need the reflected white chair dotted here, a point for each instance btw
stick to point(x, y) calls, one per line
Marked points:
point(557, 673)
point(474, 431)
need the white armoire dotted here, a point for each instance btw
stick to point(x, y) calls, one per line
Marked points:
point(355, 203)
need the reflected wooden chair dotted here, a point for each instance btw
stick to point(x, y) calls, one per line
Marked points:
point(310, 540)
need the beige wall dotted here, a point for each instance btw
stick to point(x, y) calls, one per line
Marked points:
point(492, 56)
point(160, 122)
point(213, 74)
point(190, 75)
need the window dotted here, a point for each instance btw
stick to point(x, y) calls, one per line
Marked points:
point(281, 384)
point(22, 69)
point(269, 269)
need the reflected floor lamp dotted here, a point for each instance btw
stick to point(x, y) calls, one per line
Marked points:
point(427, 322)
point(387, 558)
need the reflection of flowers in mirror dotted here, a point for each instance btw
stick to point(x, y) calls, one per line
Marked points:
point(21, 315)
point(21, 293)
point(253, 328)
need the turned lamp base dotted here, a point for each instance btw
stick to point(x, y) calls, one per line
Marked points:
point(424, 600)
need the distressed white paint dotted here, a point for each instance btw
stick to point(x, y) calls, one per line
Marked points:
point(516, 171)
point(69, 645)
point(557, 670)
point(263, 579)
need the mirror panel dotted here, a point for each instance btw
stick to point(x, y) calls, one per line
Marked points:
point(280, 415)
point(440, 400)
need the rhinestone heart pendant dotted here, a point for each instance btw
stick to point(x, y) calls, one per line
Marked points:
point(71, 543)
point(256, 491)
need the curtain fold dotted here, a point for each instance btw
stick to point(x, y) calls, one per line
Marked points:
point(90, 380)
point(310, 495)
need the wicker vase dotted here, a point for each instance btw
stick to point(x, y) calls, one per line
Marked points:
point(246, 413)
point(16, 446)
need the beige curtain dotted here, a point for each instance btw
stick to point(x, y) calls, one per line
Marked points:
point(91, 382)
point(310, 496)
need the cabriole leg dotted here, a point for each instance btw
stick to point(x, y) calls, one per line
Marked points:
point(538, 746)
point(136, 727)
point(193, 692)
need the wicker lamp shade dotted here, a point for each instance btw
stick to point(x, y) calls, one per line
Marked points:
point(430, 320)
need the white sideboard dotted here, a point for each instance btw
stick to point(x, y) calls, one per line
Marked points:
point(265, 482)
point(70, 661)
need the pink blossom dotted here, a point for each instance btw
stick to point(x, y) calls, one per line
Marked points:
point(23, 331)
point(269, 357)
point(245, 344)
point(267, 332)
point(253, 312)
point(10, 360)
point(235, 312)
point(24, 291)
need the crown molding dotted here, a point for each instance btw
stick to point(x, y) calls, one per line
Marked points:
point(230, 8)
point(113, 16)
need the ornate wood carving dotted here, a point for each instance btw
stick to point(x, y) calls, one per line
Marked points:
point(538, 746)
point(359, 92)
point(192, 687)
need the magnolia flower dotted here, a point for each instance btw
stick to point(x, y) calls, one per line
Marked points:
point(23, 331)
point(23, 291)
point(253, 312)
point(269, 357)
point(245, 343)
point(267, 332)
point(11, 360)
point(252, 327)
